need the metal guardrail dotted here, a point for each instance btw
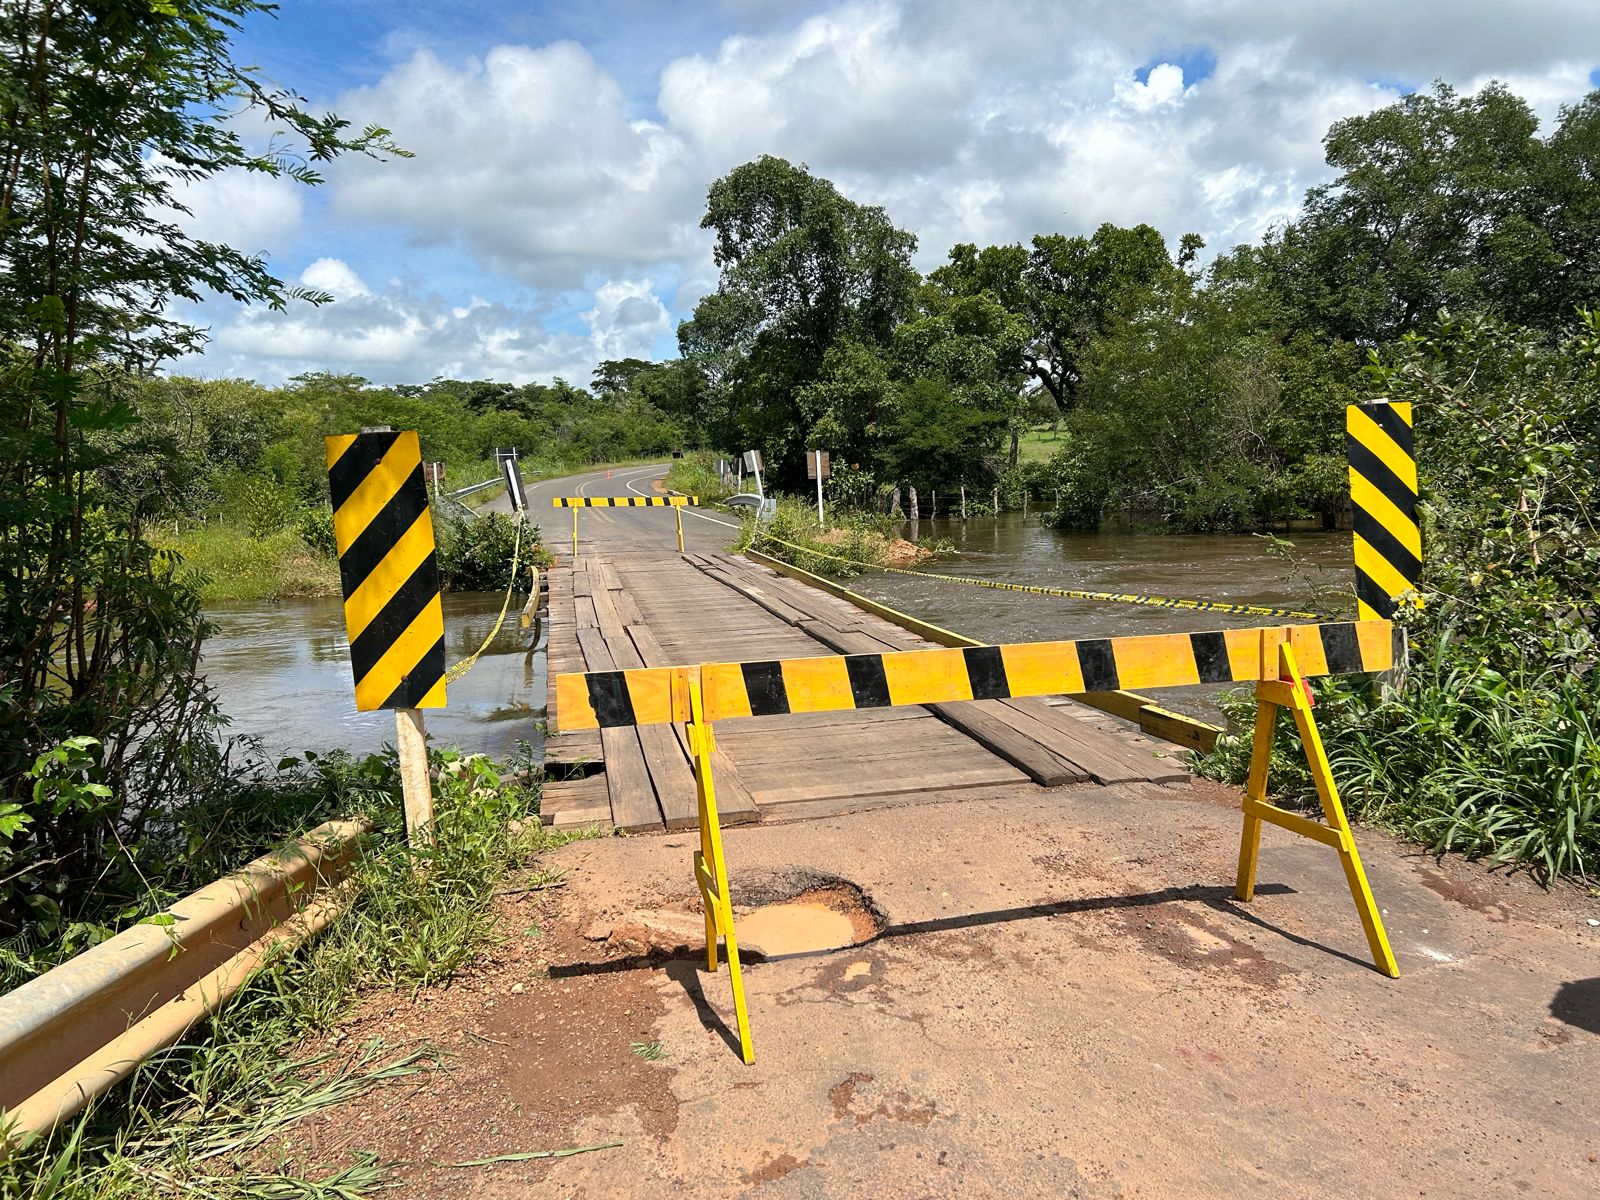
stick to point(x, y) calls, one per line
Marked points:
point(77, 1030)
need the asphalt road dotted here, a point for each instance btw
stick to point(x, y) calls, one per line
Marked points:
point(650, 528)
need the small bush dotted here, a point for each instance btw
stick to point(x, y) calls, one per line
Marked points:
point(475, 553)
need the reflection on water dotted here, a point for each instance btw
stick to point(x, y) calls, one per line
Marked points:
point(282, 673)
point(1229, 568)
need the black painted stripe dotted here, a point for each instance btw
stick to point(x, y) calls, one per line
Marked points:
point(986, 672)
point(868, 684)
point(1341, 647)
point(383, 532)
point(1371, 468)
point(1099, 664)
point(420, 680)
point(1373, 596)
point(608, 696)
point(763, 684)
point(356, 463)
point(1386, 419)
point(1211, 657)
point(1376, 535)
point(395, 617)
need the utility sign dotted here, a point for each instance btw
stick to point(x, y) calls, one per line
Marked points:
point(508, 466)
point(384, 535)
point(817, 465)
point(752, 460)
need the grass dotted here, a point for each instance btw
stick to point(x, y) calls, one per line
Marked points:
point(1039, 445)
point(695, 474)
point(231, 564)
point(209, 1119)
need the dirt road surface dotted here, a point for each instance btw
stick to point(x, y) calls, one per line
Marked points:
point(1062, 999)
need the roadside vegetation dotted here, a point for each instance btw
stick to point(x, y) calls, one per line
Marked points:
point(203, 1118)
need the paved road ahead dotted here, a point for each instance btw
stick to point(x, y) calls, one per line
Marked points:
point(653, 529)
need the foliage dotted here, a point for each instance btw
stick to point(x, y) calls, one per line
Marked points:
point(1488, 745)
point(107, 109)
point(695, 474)
point(199, 1119)
point(803, 271)
point(1448, 201)
point(854, 541)
point(223, 562)
point(475, 553)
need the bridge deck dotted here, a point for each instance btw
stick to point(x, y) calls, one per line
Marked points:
point(654, 609)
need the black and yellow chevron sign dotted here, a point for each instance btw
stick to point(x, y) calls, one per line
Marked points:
point(384, 534)
point(656, 695)
point(623, 501)
point(1383, 499)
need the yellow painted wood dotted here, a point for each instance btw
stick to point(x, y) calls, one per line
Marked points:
point(378, 684)
point(1367, 431)
point(814, 685)
point(1288, 691)
point(1155, 661)
point(941, 673)
point(713, 878)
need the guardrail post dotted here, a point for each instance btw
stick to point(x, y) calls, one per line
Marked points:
point(710, 867)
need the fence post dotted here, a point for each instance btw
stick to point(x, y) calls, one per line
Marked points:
point(411, 743)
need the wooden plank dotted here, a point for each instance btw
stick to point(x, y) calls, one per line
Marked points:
point(1105, 758)
point(633, 796)
point(664, 756)
point(564, 795)
point(735, 804)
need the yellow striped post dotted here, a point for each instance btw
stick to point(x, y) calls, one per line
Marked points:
point(1383, 499)
point(390, 578)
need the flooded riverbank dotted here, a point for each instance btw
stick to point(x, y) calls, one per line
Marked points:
point(282, 673)
point(282, 670)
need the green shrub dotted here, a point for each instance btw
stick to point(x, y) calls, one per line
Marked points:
point(315, 527)
point(475, 553)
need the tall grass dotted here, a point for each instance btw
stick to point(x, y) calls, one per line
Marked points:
point(203, 1119)
point(230, 563)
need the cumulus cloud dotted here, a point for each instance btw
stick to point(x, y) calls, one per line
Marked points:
point(967, 122)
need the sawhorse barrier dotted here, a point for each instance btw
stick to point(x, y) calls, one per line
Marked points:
point(1278, 659)
point(675, 503)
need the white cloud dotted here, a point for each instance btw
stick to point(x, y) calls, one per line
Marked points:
point(986, 123)
point(243, 209)
point(334, 276)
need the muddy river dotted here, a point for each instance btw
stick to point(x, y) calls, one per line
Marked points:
point(282, 670)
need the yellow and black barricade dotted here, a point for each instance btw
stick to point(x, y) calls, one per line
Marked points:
point(390, 576)
point(1383, 500)
point(676, 503)
point(1278, 659)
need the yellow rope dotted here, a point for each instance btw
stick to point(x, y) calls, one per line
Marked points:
point(1253, 610)
point(465, 665)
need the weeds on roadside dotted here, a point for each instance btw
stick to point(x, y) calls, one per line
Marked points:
point(204, 1119)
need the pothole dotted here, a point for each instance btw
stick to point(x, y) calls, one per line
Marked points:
point(824, 918)
point(776, 914)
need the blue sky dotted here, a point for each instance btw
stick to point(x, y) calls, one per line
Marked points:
point(550, 217)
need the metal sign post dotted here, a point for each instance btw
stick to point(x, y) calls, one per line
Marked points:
point(817, 468)
point(752, 459)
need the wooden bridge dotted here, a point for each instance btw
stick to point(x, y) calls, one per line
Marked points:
point(626, 601)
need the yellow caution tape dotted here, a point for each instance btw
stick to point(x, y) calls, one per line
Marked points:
point(1254, 610)
point(465, 665)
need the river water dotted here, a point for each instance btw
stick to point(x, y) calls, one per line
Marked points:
point(282, 669)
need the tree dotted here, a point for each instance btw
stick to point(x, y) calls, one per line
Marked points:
point(802, 269)
point(1067, 291)
point(616, 377)
point(1450, 202)
point(104, 107)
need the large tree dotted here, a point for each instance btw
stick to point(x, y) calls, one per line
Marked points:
point(1446, 201)
point(803, 269)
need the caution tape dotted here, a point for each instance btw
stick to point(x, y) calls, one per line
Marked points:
point(1254, 610)
point(465, 665)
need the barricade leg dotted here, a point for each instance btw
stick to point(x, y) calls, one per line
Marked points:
point(575, 512)
point(1289, 691)
point(678, 512)
point(711, 867)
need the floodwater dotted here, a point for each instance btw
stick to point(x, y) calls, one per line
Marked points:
point(281, 670)
point(1234, 568)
